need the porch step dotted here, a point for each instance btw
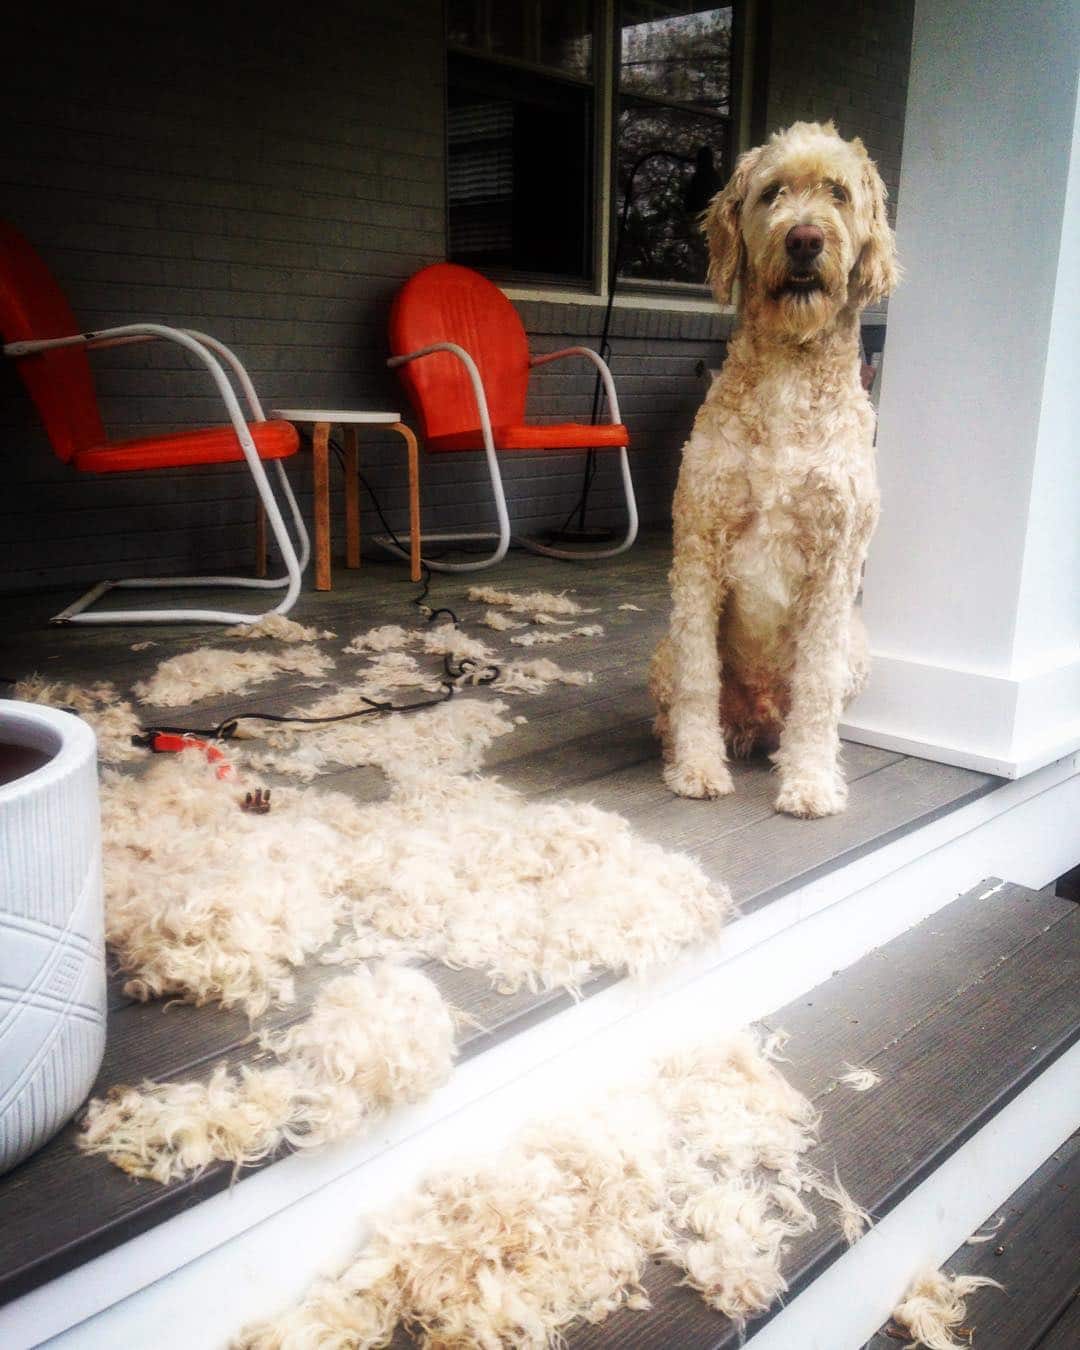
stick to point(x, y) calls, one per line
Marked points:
point(962, 1017)
point(1034, 1255)
point(971, 1019)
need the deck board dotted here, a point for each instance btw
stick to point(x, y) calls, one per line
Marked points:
point(1033, 1255)
point(1065, 1333)
point(959, 982)
point(592, 743)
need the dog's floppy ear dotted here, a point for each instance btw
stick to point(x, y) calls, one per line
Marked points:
point(720, 225)
point(876, 272)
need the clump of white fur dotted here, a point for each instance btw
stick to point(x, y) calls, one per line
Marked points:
point(529, 602)
point(112, 718)
point(538, 894)
point(702, 1164)
point(935, 1304)
point(548, 637)
point(452, 737)
point(278, 628)
point(503, 1253)
point(205, 901)
point(381, 639)
point(859, 1079)
point(208, 672)
point(501, 623)
point(396, 670)
point(533, 677)
point(852, 1219)
point(373, 1040)
point(210, 903)
point(445, 639)
point(448, 640)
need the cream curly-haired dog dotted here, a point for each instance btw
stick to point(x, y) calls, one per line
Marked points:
point(777, 496)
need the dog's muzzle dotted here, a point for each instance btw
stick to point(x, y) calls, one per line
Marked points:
point(804, 244)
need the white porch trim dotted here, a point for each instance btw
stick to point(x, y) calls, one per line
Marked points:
point(972, 590)
point(992, 723)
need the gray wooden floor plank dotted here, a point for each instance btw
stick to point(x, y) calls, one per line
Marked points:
point(1033, 1254)
point(939, 1081)
point(1065, 1333)
point(853, 1018)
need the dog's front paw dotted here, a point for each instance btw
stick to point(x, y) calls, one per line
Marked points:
point(699, 778)
point(811, 795)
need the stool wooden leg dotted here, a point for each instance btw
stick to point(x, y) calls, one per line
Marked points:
point(352, 498)
point(320, 444)
point(260, 540)
point(414, 500)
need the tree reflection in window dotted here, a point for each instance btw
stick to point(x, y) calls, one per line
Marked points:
point(675, 103)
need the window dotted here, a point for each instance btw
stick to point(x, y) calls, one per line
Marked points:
point(674, 137)
point(531, 84)
point(521, 101)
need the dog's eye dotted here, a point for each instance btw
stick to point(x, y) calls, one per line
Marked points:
point(770, 194)
point(839, 192)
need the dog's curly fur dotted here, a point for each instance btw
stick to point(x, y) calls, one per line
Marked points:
point(777, 495)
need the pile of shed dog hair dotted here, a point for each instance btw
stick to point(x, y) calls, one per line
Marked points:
point(703, 1165)
point(935, 1306)
point(212, 904)
point(374, 1039)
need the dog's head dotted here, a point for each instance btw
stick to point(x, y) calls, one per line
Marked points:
point(802, 227)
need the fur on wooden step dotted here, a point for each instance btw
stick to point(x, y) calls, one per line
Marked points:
point(702, 1165)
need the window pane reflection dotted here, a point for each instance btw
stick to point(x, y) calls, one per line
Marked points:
point(660, 149)
point(677, 52)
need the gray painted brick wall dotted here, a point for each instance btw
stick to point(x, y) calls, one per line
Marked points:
point(847, 60)
point(272, 180)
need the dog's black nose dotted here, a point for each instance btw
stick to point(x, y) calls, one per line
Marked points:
point(804, 243)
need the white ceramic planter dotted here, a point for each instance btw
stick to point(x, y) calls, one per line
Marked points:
point(52, 955)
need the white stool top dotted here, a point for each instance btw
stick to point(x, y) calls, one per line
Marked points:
point(338, 416)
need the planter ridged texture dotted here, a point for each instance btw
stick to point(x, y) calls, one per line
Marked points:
point(52, 954)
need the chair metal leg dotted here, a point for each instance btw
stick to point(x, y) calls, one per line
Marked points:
point(585, 555)
point(416, 539)
point(260, 540)
point(295, 566)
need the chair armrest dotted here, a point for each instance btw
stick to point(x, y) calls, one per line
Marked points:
point(602, 368)
point(474, 379)
point(196, 343)
point(237, 367)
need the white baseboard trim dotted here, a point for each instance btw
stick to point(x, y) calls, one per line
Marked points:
point(847, 1303)
point(996, 724)
point(199, 1276)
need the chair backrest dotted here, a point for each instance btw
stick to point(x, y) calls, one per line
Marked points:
point(32, 305)
point(448, 303)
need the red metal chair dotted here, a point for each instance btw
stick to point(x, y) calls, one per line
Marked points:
point(41, 334)
point(462, 354)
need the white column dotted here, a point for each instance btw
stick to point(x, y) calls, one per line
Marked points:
point(972, 593)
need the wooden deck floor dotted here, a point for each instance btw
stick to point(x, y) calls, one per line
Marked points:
point(59, 1209)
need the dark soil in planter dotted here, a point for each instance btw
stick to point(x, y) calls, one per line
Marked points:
point(16, 761)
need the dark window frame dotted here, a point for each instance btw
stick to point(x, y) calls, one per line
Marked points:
point(607, 100)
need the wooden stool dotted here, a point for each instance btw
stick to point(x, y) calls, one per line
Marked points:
point(322, 420)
